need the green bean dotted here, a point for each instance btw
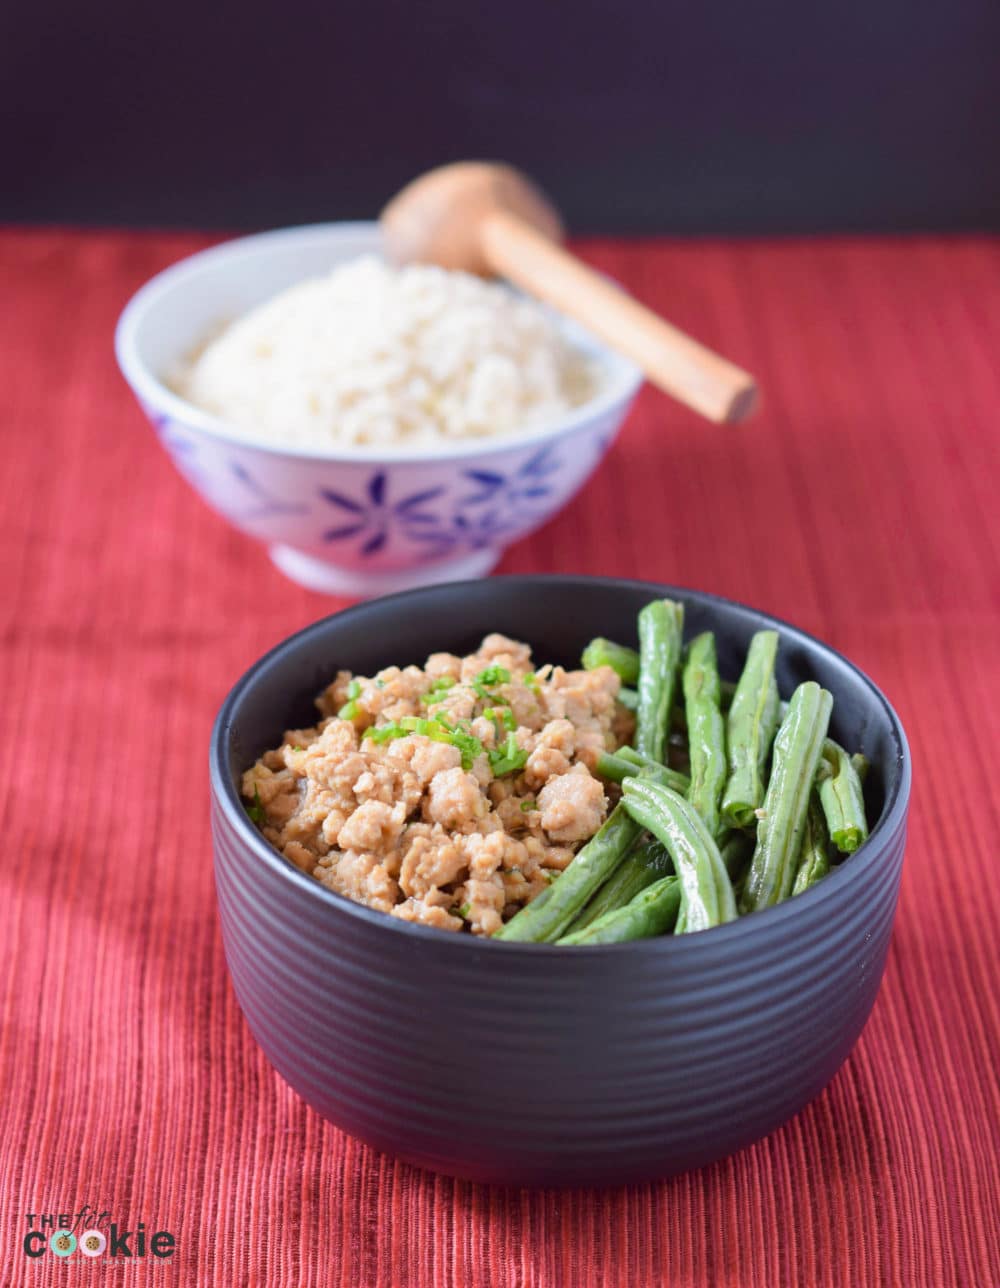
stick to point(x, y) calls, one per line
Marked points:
point(797, 750)
point(706, 730)
point(861, 765)
point(550, 913)
point(707, 896)
point(661, 625)
point(842, 799)
point(750, 728)
point(643, 865)
point(652, 912)
point(678, 720)
point(814, 858)
point(624, 661)
point(626, 762)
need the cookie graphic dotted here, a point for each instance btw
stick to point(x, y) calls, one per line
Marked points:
point(63, 1242)
point(92, 1243)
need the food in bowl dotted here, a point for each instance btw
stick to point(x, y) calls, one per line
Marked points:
point(481, 793)
point(352, 520)
point(641, 1059)
point(449, 794)
point(371, 354)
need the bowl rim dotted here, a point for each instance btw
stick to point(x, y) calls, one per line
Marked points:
point(226, 797)
point(624, 377)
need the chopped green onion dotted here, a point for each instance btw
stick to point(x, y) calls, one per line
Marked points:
point(528, 805)
point(493, 675)
point(469, 746)
point(256, 810)
point(354, 689)
point(504, 715)
point(384, 733)
point(440, 686)
point(509, 759)
point(462, 912)
point(348, 711)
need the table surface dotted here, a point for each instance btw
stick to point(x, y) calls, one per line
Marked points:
point(861, 504)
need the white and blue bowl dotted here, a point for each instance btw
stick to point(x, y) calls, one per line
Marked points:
point(351, 521)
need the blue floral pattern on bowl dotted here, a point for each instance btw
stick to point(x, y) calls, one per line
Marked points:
point(497, 504)
point(373, 516)
point(386, 525)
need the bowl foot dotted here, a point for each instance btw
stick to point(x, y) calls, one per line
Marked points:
point(317, 574)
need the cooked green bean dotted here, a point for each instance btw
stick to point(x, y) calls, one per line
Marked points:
point(621, 659)
point(797, 750)
point(643, 865)
point(651, 912)
point(550, 913)
point(750, 728)
point(661, 625)
point(678, 720)
point(814, 859)
point(706, 730)
point(707, 895)
point(861, 765)
point(842, 799)
point(626, 762)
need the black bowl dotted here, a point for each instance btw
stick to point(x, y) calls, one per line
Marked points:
point(530, 1064)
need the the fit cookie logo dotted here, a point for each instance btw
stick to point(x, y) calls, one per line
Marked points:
point(90, 1233)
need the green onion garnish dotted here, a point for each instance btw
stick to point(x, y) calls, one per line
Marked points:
point(508, 759)
point(493, 675)
point(384, 733)
point(440, 686)
point(256, 810)
point(469, 746)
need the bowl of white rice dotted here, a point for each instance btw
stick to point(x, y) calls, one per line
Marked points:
point(376, 427)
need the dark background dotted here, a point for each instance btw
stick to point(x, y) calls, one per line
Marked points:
point(646, 115)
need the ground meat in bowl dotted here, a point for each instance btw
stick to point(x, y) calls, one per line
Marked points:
point(448, 794)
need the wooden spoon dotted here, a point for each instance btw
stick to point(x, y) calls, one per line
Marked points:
point(490, 219)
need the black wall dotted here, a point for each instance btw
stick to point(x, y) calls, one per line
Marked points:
point(649, 115)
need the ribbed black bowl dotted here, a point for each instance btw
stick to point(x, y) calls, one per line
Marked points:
point(530, 1064)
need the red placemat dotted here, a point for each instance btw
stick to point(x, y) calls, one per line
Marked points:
point(861, 505)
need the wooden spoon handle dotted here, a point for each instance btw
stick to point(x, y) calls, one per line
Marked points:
point(682, 367)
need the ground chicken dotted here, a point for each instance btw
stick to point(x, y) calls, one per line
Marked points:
point(572, 805)
point(456, 823)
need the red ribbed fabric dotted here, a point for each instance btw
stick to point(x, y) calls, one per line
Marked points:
point(861, 505)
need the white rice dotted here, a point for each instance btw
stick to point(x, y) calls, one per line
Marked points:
point(391, 357)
